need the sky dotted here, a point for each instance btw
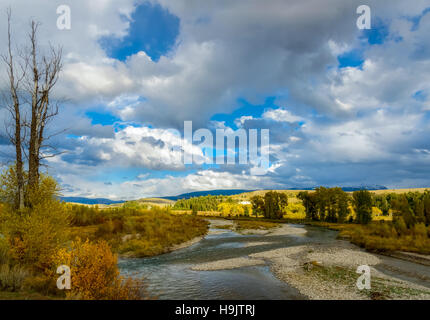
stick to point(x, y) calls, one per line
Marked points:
point(344, 106)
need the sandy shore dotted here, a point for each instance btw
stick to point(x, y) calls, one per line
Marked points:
point(287, 229)
point(184, 244)
point(328, 271)
point(256, 243)
point(228, 264)
point(281, 230)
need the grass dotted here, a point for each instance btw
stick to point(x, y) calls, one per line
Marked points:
point(25, 295)
point(378, 237)
point(381, 289)
point(224, 226)
point(255, 224)
point(143, 233)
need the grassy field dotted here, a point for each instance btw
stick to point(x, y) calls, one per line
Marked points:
point(378, 236)
point(141, 232)
point(151, 202)
point(23, 295)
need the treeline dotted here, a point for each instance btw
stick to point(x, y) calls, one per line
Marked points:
point(203, 203)
point(408, 209)
point(333, 205)
point(272, 205)
point(326, 204)
point(81, 215)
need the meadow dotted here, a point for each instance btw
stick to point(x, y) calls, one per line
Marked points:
point(135, 232)
point(49, 233)
point(399, 219)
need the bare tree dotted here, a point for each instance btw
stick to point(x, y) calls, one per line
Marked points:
point(45, 70)
point(13, 104)
point(31, 81)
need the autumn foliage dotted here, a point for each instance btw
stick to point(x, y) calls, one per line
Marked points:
point(36, 240)
point(94, 272)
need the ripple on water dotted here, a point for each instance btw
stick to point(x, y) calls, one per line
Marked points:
point(169, 276)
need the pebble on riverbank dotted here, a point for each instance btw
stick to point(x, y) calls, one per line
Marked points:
point(322, 271)
point(293, 264)
point(228, 264)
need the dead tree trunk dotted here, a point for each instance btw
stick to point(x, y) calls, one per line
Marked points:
point(45, 71)
point(14, 107)
point(30, 84)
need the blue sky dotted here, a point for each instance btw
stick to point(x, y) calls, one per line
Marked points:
point(152, 29)
point(345, 107)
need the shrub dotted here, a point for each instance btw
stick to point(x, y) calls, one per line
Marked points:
point(12, 278)
point(35, 234)
point(9, 186)
point(94, 272)
point(42, 283)
point(4, 251)
point(420, 230)
point(84, 216)
point(400, 225)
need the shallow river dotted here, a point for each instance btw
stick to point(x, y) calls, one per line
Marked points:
point(169, 276)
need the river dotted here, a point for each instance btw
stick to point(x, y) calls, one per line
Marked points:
point(169, 276)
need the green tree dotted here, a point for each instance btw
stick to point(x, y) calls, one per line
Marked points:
point(326, 204)
point(426, 201)
point(257, 203)
point(246, 211)
point(402, 208)
point(343, 205)
point(274, 204)
point(310, 203)
point(362, 201)
point(381, 202)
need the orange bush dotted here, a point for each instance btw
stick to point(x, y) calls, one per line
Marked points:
point(94, 273)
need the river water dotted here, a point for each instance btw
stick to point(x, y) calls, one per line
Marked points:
point(169, 276)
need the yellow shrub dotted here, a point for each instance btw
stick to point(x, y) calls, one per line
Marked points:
point(94, 272)
point(295, 211)
point(420, 230)
point(231, 209)
point(35, 234)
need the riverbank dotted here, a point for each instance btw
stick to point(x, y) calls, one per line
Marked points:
point(378, 236)
point(138, 233)
point(327, 270)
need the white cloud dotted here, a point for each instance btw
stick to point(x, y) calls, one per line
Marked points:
point(166, 186)
point(281, 115)
point(243, 49)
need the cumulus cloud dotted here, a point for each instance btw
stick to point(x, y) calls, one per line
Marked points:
point(166, 186)
point(329, 125)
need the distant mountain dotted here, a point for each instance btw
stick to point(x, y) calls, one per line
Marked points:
point(221, 192)
point(370, 188)
point(207, 193)
point(349, 189)
point(238, 191)
point(83, 200)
